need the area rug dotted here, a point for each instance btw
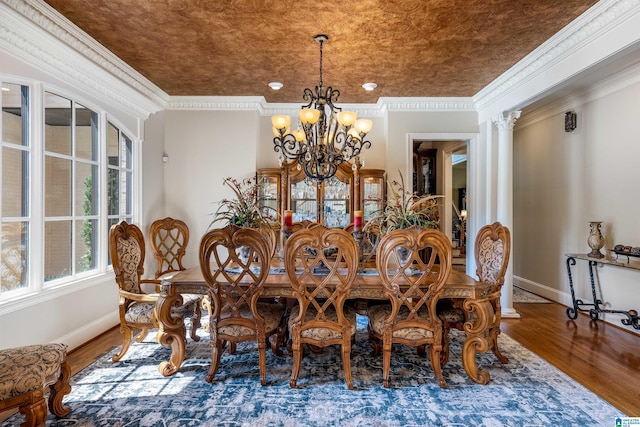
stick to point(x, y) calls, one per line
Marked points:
point(525, 392)
point(522, 295)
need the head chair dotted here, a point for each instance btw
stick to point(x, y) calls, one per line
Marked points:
point(136, 307)
point(492, 250)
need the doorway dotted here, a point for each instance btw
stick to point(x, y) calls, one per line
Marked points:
point(440, 167)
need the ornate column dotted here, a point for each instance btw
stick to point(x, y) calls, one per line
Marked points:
point(505, 122)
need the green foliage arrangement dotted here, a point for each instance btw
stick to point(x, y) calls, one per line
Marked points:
point(405, 209)
point(243, 210)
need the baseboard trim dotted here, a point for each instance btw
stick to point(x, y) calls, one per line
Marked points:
point(543, 290)
point(89, 331)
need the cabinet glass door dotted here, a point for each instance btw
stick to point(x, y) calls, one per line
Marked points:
point(372, 196)
point(304, 200)
point(337, 207)
point(269, 195)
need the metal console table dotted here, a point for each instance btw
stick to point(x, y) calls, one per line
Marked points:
point(632, 317)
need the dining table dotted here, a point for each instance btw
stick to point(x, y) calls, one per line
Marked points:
point(367, 285)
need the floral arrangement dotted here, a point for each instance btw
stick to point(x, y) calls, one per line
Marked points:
point(405, 209)
point(243, 210)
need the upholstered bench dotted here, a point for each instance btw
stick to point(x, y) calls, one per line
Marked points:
point(24, 374)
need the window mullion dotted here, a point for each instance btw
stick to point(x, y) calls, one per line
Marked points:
point(103, 207)
point(36, 138)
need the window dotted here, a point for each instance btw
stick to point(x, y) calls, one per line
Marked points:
point(16, 162)
point(83, 168)
point(70, 185)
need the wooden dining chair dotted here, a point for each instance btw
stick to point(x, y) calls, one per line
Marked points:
point(137, 304)
point(321, 284)
point(169, 238)
point(492, 250)
point(413, 284)
point(234, 287)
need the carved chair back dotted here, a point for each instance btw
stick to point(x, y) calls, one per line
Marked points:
point(169, 238)
point(127, 251)
point(492, 250)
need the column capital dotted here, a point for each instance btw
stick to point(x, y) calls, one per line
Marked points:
point(506, 120)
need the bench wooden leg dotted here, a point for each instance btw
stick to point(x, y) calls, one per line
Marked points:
point(34, 409)
point(60, 389)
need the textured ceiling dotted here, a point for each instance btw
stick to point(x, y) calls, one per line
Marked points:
point(428, 48)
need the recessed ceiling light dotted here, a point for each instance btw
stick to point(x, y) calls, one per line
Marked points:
point(275, 85)
point(369, 86)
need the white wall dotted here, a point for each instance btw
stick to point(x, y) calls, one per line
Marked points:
point(153, 200)
point(564, 180)
point(204, 147)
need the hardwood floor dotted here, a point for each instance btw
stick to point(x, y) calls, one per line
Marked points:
point(600, 356)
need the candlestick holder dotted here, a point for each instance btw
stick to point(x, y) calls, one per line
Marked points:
point(358, 235)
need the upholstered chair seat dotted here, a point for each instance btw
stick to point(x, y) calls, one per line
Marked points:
point(378, 314)
point(24, 374)
point(323, 334)
point(143, 312)
point(272, 314)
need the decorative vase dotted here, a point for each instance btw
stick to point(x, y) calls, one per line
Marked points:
point(595, 240)
point(403, 255)
point(244, 254)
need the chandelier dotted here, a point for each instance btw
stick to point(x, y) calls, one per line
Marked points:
point(328, 137)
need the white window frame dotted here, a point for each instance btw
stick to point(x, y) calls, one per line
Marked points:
point(37, 292)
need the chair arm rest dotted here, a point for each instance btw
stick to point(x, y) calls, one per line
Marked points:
point(138, 297)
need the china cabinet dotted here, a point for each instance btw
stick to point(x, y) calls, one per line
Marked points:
point(330, 202)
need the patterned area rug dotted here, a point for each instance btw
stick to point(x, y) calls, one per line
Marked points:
point(525, 392)
point(522, 295)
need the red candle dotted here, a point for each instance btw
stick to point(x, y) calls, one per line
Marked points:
point(357, 220)
point(288, 218)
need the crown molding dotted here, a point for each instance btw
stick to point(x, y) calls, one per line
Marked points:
point(427, 104)
point(264, 108)
point(580, 32)
point(34, 32)
point(223, 103)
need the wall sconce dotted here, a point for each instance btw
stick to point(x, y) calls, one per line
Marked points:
point(570, 121)
point(165, 159)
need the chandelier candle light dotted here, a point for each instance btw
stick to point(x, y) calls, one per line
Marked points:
point(329, 136)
